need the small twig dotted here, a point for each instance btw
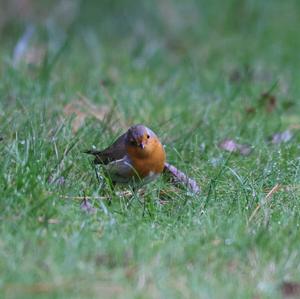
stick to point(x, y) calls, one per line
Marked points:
point(82, 197)
point(268, 196)
point(125, 193)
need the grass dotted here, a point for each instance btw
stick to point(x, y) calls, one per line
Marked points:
point(190, 72)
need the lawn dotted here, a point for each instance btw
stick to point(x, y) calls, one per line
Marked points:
point(76, 75)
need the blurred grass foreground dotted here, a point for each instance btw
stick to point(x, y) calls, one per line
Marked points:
point(218, 81)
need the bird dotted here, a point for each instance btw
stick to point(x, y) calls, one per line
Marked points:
point(136, 157)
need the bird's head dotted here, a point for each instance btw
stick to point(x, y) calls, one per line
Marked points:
point(141, 139)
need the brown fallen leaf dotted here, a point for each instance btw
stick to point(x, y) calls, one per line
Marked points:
point(290, 289)
point(269, 101)
point(83, 108)
point(178, 176)
point(233, 147)
point(281, 137)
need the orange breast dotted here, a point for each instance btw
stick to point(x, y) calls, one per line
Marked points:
point(150, 163)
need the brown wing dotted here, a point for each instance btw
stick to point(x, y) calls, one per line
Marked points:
point(114, 152)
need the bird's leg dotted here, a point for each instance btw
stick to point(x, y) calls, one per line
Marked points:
point(112, 185)
point(97, 175)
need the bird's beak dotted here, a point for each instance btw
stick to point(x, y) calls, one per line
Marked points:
point(142, 145)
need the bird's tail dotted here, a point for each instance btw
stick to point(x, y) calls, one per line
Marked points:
point(92, 152)
point(100, 157)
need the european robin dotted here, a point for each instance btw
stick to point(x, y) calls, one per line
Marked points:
point(137, 154)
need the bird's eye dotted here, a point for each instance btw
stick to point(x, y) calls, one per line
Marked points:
point(148, 136)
